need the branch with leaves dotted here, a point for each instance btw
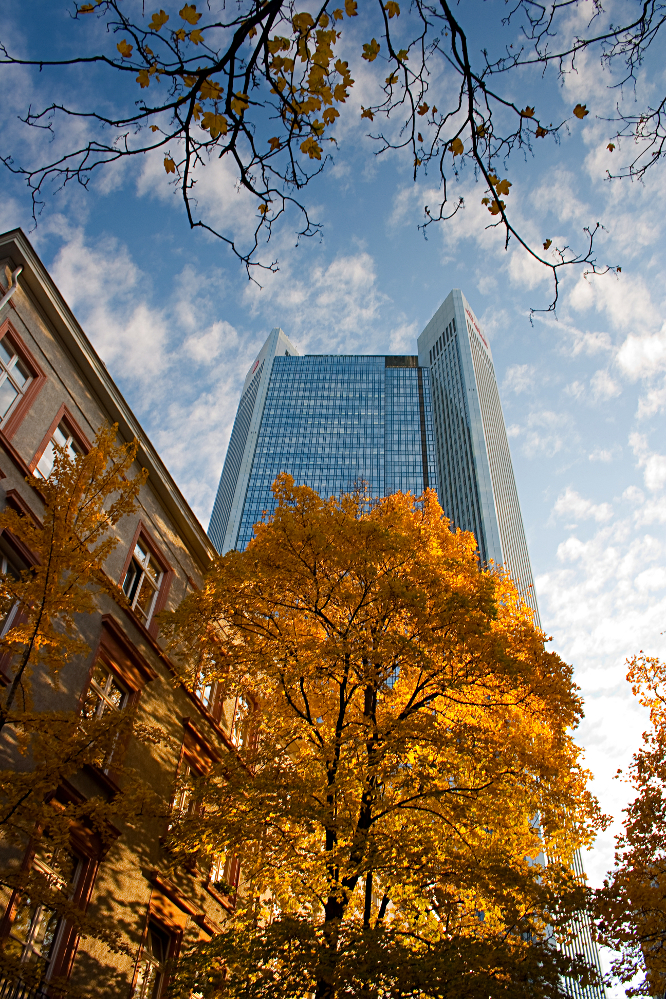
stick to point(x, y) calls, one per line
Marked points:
point(262, 87)
point(43, 750)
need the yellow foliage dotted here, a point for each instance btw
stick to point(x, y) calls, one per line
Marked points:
point(169, 165)
point(371, 50)
point(408, 725)
point(189, 13)
point(457, 147)
point(124, 48)
point(580, 111)
point(216, 124)
point(158, 21)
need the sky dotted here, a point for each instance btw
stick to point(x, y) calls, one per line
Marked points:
point(178, 324)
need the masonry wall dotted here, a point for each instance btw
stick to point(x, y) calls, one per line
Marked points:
point(130, 885)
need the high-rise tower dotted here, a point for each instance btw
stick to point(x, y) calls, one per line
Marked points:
point(330, 421)
point(477, 488)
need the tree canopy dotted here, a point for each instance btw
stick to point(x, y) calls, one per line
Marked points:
point(64, 553)
point(262, 85)
point(633, 899)
point(405, 761)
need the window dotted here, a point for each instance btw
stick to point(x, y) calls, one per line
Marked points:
point(151, 977)
point(241, 727)
point(35, 930)
point(62, 438)
point(142, 581)
point(105, 693)
point(225, 874)
point(15, 377)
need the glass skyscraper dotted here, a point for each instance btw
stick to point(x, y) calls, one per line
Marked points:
point(397, 423)
point(331, 421)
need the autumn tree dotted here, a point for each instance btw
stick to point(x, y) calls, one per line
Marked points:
point(404, 762)
point(262, 85)
point(632, 903)
point(64, 551)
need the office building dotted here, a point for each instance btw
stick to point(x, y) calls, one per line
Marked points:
point(332, 421)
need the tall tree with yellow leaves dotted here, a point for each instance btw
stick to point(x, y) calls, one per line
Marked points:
point(632, 903)
point(404, 760)
point(83, 500)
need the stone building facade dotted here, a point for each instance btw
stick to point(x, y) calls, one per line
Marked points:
point(53, 386)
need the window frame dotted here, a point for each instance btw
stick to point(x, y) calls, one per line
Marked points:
point(162, 594)
point(62, 416)
point(17, 412)
point(86, 846)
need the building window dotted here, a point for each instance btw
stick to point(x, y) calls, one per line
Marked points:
point(151, 978)
point(225, 874)
point(142, 581)
point(15, 377)
point(105, 693)
point(35, 930)
point(62, 438)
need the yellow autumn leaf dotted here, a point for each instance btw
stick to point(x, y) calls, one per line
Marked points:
point(210, 90)
point(263, 209)
point(181, 34)
point(350, 8)
point(302, 21)
point(367, 113)
point(480, 131)
point(402, 55)
point(169, 165)
point(337, 14)
point(503, 186)
point(330, 114)
point(154, 128)
point(189, 13)
point(196, 36)
point(610, 147)
point(252, 33)
point(312, 148)
point(239, 103)
point(216, 124)
point(496, 207)
point(548, 243)
point(86, 8)
point(158, 21)
point(143, 78)
point(371, 50)
point(423, 109)
point(124, 48)
point(540, 132)
point(392, 9)
point(457, 147)
point(580, 111)
point(527, 112)
point(274, 143)
point(393, 78)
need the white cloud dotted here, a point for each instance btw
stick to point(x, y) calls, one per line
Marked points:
point(602, 454)
point(652, 463)
point(545, 432)
point(572, 504)
point(603, 386)
point(519, 378)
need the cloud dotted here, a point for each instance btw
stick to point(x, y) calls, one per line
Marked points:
point(624, 299)
point(545, 432)
point(603, 386)
point(519, 378)
point(603, 454)
point(652, 463)
point(572, 504)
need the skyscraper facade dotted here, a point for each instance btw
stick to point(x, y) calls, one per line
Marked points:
point(477, 488)
point(331, 421)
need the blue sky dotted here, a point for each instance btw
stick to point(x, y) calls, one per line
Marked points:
point(176, 321)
